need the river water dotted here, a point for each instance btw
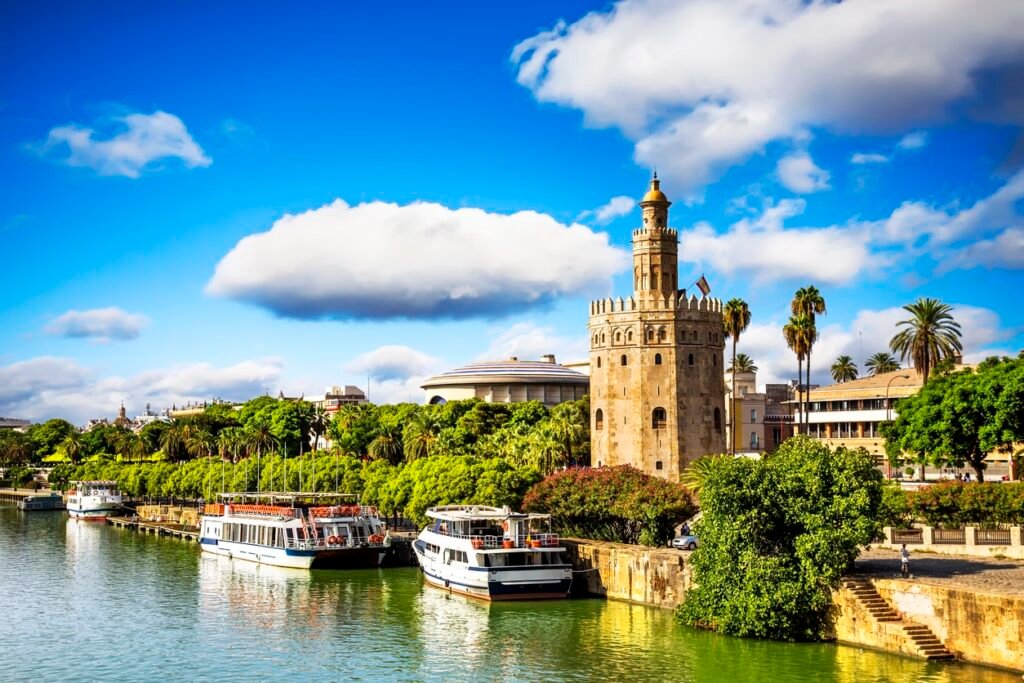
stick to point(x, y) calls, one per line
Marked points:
point(84, 601)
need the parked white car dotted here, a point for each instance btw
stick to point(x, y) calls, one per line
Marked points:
point(688, 542)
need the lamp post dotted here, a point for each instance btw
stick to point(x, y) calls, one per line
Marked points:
point(888, 415)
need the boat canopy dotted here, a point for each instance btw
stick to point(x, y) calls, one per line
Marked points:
point(288, 498)
point(471, 512)
point(94, 482)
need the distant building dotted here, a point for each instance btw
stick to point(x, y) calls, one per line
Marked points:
point(14, 423)
point(509, 381)
point(657, 396)
point(764, 420)
point(335, 397)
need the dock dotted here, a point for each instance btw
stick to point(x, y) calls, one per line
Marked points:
point(155, 528)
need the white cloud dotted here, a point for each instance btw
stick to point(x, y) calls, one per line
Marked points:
point(915, 140)
point(616, 206)
point(799, 173)
point(45, 387)
point(99, 324)
point(700, 85)
point(394, 362)
point(422, 260)
point(529, 341)
point(765, 249)
point(868, 333)
point(143, 140)
point(868, 158)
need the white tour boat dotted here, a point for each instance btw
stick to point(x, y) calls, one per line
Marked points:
point(493, 553)
point(93, 499)
point(299, 530)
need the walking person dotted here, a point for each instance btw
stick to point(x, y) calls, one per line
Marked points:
point(904, 561)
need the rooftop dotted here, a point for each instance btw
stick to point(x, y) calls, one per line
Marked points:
point(511, 370)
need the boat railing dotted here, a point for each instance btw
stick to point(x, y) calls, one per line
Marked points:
point(257, 510)
point(489, 542)
point(334, 511)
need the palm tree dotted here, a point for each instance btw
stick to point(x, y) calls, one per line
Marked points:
point(420, 435)
point(72, 445)
point(697, 473)
point(318, 424)
point(881, 362)
point(172, 441)
point(387, 445)
point(570, 430)
point(200, 442)
point(130, 446)
point(743, 363)
point(546, 448)
point(930, 335)
point(809, 302)
point(844, 369)
point(736, 316)
point(798, 333)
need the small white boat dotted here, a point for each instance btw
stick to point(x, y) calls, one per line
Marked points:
point(93, 499)
point(493, 554)
point(294, 530)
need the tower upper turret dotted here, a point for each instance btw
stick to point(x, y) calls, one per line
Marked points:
point(655, 248)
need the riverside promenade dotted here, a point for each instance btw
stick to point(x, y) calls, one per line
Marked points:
point(989, 575)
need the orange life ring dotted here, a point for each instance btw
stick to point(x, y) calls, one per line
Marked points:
point(333, 540)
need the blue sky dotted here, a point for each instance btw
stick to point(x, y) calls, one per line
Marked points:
point(472, 146)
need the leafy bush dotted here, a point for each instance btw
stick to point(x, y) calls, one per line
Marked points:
point(776, 535)
point(895, 509)
point(611, 504)
point(957, 504)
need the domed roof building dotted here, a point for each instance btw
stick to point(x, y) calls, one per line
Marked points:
point(509, 381)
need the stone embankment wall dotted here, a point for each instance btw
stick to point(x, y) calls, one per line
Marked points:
point(652, 576)
point(978, 627)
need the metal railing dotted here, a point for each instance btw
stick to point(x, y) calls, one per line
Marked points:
point(992, 537)
point(949, 536)
point(529, 540)
point(912, 536)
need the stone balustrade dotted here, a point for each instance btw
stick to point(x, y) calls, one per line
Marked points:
point(971, 541)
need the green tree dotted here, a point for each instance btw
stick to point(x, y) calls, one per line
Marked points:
point(776, 536)
point(15, 448)
point(809, 302)
point(47, 436)
point(72, 446)
point(420, 436)
point(172, 443)
point(319, 421)
point(929, 336)
point(736, 316)
point(844, 369)
point(200, 443)
point(743, 363)
point(387, 445)
point(881, 362)
point(130, 446)
point(694, 476)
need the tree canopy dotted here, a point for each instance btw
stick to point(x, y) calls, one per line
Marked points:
point(776, 535)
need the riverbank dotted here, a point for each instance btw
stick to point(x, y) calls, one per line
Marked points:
point(972, 606)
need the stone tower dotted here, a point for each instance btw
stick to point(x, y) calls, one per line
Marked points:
point(657, 397)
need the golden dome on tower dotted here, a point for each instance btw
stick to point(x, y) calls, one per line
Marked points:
point(654, 193)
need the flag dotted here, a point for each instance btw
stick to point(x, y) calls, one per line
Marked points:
point(703, 286)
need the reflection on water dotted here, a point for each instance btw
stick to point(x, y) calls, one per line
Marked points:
point(86, 601)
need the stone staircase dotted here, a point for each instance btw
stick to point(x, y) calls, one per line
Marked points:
point(926, 644)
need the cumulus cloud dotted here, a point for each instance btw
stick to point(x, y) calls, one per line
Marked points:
point(138, 142)
point(529, 341)
point(868, 333)
point(798, 173)
point(987, 233)
point(422, 260)
point(616, 206)
point(915, 140)
point(101, 325)
point(700, 85)
point(394, 362)
point(46, 387)
point(861, 158)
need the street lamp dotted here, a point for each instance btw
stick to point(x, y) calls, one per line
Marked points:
point(888, 415)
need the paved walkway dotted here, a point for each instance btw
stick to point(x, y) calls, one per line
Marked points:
point(984, 574)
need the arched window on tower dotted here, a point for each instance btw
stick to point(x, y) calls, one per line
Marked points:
point(661, 334)
point(691, 359)
point(599, 362)
point(622, 361)
point(599, 419)
point(602, 338)
point(618, 337)
point(629, 336)
point(718, 420)
point(658, 419)
point(654, 279)
point(650, 334)
point(657, 359)
point(693, 335)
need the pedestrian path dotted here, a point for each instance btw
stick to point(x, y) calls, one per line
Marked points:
point(984, 574)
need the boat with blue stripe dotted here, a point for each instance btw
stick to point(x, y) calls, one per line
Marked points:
point(493, 554)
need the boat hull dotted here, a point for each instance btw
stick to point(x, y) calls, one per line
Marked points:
point(92, 514)
point(544, 589)
point(350, 558)
point(277, 557)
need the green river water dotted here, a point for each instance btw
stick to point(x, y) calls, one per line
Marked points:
point(84, 601)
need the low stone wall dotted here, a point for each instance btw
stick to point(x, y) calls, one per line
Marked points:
point(651, 576)
point(978, 627)
point(970, 547)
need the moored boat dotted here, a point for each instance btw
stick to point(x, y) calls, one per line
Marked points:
point(493, 554)
point(299, 530)
point(93, 500)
